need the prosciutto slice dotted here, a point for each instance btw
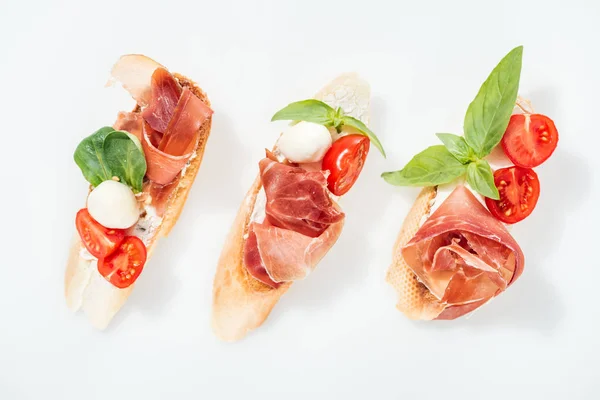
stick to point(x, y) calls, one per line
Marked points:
point(168, 126)
point(297, 200)
point(135, 72)
point(302, 223)
point(274, 255)
point(181, 136)
point(165, 96)
point(463, 255)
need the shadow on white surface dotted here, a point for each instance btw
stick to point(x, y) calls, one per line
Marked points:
point(224, 160)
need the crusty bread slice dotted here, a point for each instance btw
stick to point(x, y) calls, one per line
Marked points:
point(85, 288)
point(240, 302)
point(414, 299)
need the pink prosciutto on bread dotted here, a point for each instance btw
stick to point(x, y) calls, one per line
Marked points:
point(301, 224)
point(463, 255)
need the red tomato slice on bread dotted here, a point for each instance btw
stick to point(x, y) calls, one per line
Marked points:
point(530, 139)
point(97, 239)
point(344, 160)
point(519, 190)
point(123, 267)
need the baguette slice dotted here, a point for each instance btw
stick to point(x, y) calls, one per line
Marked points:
point(85, 288)
point(240, 302)
point(414, 299)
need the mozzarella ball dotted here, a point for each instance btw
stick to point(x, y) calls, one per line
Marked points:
point(113, 205)
point(305, 142)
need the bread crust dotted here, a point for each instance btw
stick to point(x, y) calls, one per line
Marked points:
point(414, 299)
point(84, 287)
point(240, 302)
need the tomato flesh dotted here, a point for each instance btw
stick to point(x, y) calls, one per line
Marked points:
point(97, 239)
point(519, 190)
point(530, 139)
point(123, 267)
point(344, 161)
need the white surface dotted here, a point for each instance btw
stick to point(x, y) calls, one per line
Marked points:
point(336, 335)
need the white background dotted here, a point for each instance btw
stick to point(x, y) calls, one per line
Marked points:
point(337, 334)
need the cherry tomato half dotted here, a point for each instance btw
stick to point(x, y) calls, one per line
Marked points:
point(519, 190)
point(97, 239)
point(123, 267)
point(344, 160)
point(529, 139)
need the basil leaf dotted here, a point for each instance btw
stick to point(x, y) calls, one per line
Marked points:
point(488, 115)
point(362, 128)
point(433, 166)
point(89, 156)
point(457, 146)
point(307, 110)
point(481, 178)
point(123, 154)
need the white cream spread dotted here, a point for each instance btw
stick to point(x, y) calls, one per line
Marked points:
point(185, 167)
point(86, 255)
point(147, 225)
point(258, 213)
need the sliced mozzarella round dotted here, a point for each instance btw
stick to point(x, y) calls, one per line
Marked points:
point(304, 142)
point(113, 205)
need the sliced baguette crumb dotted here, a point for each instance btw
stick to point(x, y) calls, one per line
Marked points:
point(414, 299)
point(84, 288)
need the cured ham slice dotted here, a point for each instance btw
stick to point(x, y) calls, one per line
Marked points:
point(165, 96)
point(135, 71)
point(463, 255)
point(253, 260)
point(287, 255)
point(297, 200)
point(301, 225)
point(182, 132)
point(164, 166)
point(130, 122)
point(161, 168)
point(170, 120)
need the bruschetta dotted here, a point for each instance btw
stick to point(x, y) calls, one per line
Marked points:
point(454, 252)
point(291, 216)
point(140, 171)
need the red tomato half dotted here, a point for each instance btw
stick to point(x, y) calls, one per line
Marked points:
point(344, 160)
point(529, 139)
point(519, 190)
point(123, 267)
point(97, 239)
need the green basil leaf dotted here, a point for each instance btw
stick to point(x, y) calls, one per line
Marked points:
point(307, 110)
point(89, 156)
point(123, 154)
point(488, 115)
point(481, 178)
point(362, 128)
point(433, 166)
point(457, 146)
